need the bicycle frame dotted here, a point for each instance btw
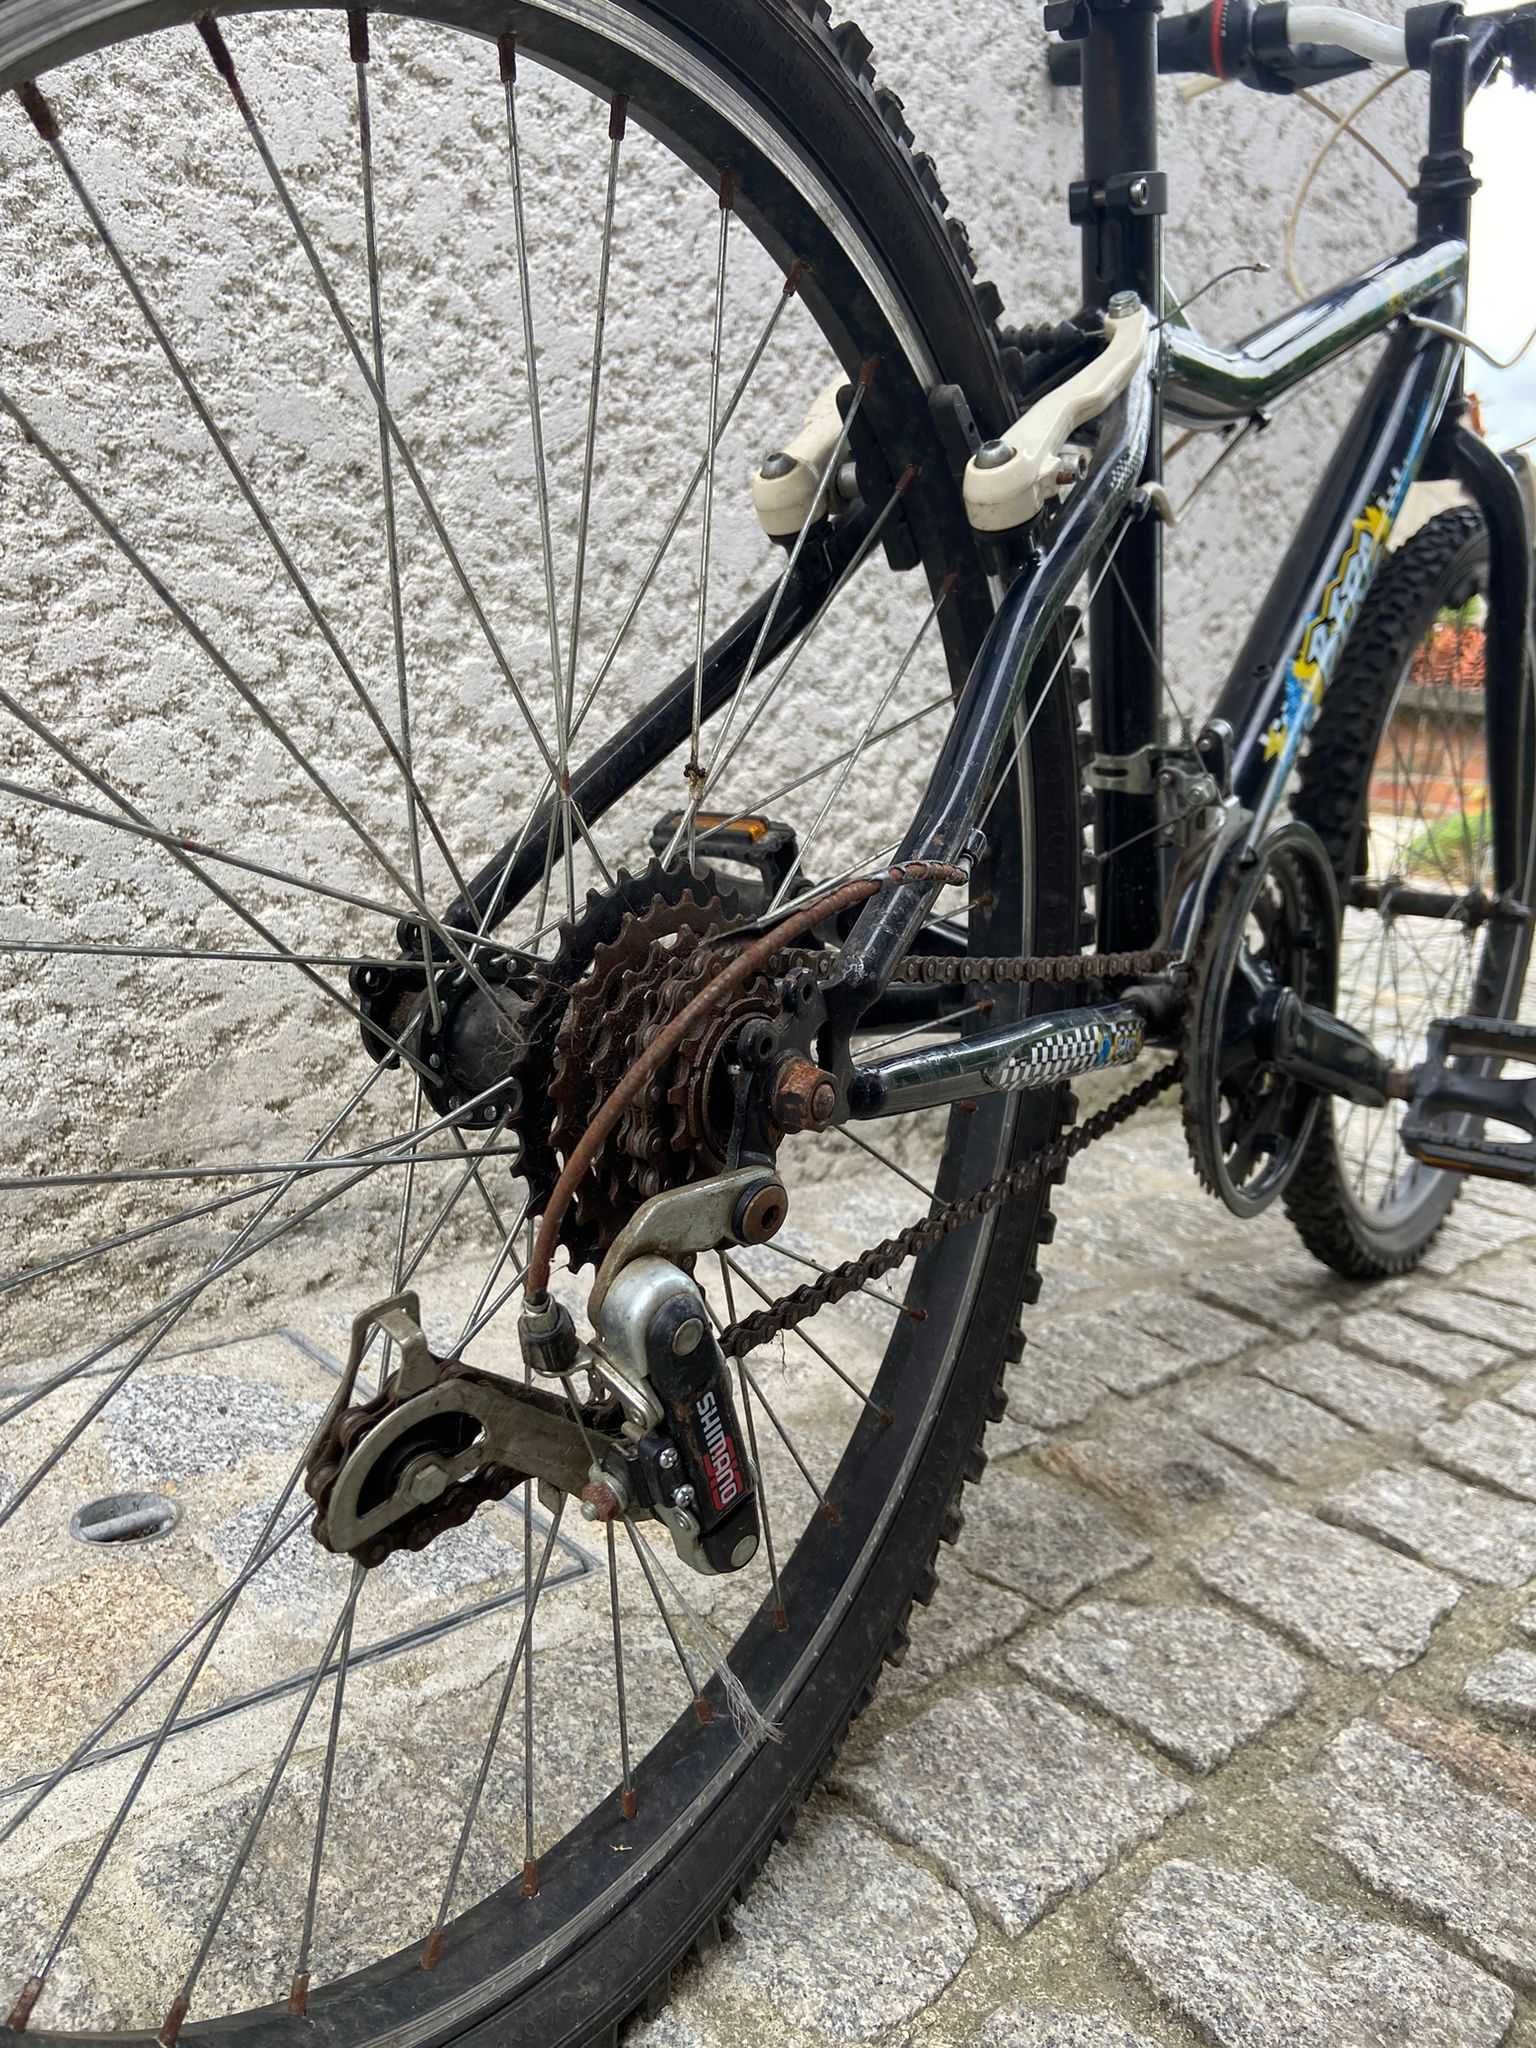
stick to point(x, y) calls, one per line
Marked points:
point(1405, 424)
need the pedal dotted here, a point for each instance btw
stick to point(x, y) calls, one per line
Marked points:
point(770, 850)
point(1450, 1108)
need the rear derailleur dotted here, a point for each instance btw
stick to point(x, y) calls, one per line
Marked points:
point(656, 1435)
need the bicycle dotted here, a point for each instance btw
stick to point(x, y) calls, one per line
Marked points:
point(646, 1052)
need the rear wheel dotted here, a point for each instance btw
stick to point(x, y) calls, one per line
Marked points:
point(1396, 785)
point(389, 1797)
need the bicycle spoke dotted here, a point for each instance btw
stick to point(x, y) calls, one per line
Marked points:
point(781, 675)
point(98, 950)
point(628, 1805)
point(663, 546)
point(244, 1248)
point(715, 768)
point(45, 122)
point(182, 2003)
point(882, 705)
point(780, 1610)
point(723, 824)
point(22, 2010)
point(357, 30)
point(928, 1193)
point(942, 1023)
point(432, 1951)
point(223, 63)
point(75, 484)
point(693, 773)
point(256, 1558)
point(867, 1288)
point(298, 1990)
point(507, 53)
point(617, 117)
point(700, 1704)
point(882, 1415)
point(300, 1169)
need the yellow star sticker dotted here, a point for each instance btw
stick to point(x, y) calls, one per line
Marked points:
point(1274, 741)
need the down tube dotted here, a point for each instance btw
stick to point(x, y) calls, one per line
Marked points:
point(1272, 697)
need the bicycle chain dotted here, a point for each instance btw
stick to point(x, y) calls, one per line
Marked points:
point(954, 970)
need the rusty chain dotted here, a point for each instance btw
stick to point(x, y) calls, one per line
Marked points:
point(953, 970)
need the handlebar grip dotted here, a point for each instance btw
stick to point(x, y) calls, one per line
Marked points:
point(1227, 39)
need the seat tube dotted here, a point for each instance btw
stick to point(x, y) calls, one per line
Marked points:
point(1118, 204)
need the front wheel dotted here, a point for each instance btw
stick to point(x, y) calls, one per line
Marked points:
point(1396, 784)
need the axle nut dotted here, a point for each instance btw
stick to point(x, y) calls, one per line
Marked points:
point(600, 1503)
point(805, 1097)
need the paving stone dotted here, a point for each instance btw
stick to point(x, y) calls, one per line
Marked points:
point(841, 1935)
point(1358, 1390)
point(968, 1618)
point(1279, 1432)
point(178, 1426)
point(1511, 1278)
point(1046, 1392)
point(1457, 1245)
point(1505, 1688)
point(1521, 1395)
point(1208, 1335)
point(1357, 1606)
point(1525, 1621)
point(1416, 1834)
point(1016, 1799)
point(1255, 1963)
point(1161, 1471)
point(1044, 1542)
point(1449, 1354)
point(1431, 1516)
point(1467, 1315)
point(1292, 1296)
point(1194, 1680)
point(303, 1577)
point(1118, 1351)
point(1019, 2026)
point(1481, 1760)
point(1489, 1442)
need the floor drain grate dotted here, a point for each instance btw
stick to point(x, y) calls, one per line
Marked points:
point(124, 1518)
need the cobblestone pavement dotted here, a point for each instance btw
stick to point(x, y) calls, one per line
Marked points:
point(1222, 1725)
point(1220, 1728)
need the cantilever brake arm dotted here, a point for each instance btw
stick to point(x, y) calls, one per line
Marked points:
point(996, 694)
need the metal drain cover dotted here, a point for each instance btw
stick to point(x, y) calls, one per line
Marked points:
point(124, 1518)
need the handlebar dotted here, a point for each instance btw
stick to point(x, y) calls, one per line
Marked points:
point(1279, 47)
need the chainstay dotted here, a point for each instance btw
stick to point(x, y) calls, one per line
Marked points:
point(764, 1324)
point(953, 970)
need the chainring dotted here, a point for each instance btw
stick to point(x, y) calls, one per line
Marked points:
point(1273, 924)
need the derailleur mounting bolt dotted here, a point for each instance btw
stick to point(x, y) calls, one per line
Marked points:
point(666, 1457)
point(682, 1496)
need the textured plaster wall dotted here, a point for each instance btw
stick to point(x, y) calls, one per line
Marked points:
point(169, 1062)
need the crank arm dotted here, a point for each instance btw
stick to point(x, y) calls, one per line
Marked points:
point(1309, 1042)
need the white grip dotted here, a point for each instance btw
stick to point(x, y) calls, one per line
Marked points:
point(1379, 42)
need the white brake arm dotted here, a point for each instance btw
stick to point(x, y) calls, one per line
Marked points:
point(784, 490)
point(1003, 491)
